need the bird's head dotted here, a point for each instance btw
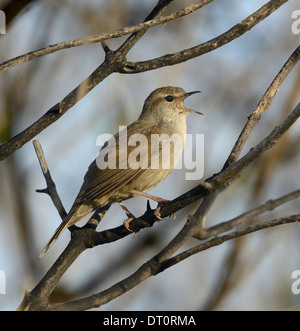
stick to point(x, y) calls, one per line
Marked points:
point(167, 102)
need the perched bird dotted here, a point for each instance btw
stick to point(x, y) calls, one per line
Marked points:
point(131, 162)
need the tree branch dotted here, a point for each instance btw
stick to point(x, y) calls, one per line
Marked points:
point(155, 265)
point(247, 216)
point(116, 62)
point(51, 187)
point(253, 119)
point(221, 239)
point(223, 178)
point(111, 64)
point(54, 113)
point(87, 237)
point(220, 181)
point(263, 105)
point(102, 36)
point(190, 53)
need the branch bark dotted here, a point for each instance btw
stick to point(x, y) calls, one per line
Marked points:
point(253, 119)
point(190, 53)
point(51, 187)
point(115, 61)
point(87, 237)
point(112, 62)
point(101, 37)
point(221, 239)
point(157, 265)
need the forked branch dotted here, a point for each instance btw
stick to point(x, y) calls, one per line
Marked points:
point(118, 63)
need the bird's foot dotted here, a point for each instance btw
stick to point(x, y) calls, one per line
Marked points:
point(157, 212)
point(126, 223)
point(160, 202)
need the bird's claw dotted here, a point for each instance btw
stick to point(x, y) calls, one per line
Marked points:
point(126, 224)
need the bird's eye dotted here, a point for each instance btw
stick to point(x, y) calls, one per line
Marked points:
point(169, 98)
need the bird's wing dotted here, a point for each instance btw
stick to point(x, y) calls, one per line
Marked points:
point(99, 182)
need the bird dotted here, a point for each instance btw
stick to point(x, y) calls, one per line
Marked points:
point(127, 167)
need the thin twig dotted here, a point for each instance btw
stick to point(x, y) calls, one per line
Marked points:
point(221, 180)
point(112, 62)
point(37, 299)
point(190, 53)
point(253, 119)
point(263, 105)
point(100, 37)
point(87, 237)
point(82, 239)
point(233, 235)
point(51, 187)
point(245, 217)
point(154, 266)
point(117, 63)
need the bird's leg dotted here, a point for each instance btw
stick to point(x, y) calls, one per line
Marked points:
point(129, 219)
point(127, 212)
point(160, 202)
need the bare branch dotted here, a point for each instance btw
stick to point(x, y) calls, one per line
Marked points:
point(218, 182)
point(116, 62)
point(224, 178)
point(87, 237)
point(253, 119)
point(51, 187)
point(113, 61)
point(101, 37)
point(263, 105)
point(155, 265)
point(82, 239)
point(233, 235)
point(190, 53)
point(55, 112)
point(245, 217)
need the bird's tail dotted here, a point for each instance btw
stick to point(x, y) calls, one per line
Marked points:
point(63, 225)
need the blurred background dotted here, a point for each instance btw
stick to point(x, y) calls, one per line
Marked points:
point(252, 273)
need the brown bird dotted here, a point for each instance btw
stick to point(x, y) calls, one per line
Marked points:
point(133, 161)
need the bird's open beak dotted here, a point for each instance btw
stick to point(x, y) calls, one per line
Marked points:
point(187, 109)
